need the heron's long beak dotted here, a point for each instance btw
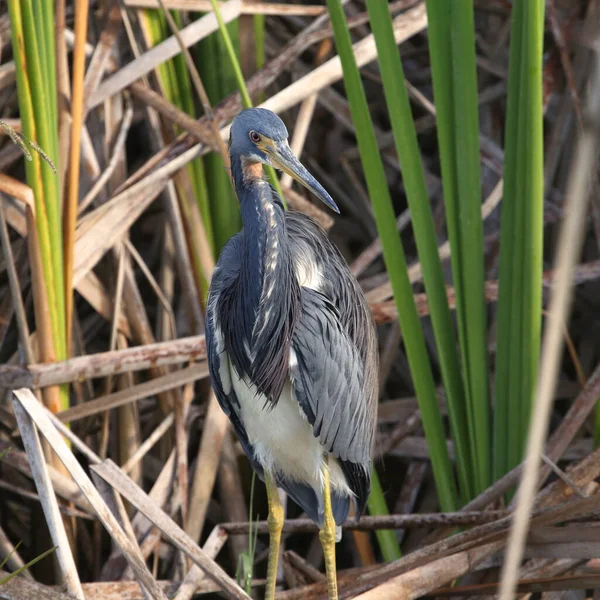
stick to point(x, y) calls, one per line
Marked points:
point(283, 158)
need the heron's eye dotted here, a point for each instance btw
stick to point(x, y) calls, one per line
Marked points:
point(254, 137)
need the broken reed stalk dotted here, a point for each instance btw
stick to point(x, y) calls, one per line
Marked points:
point(105, 364)
point(34, 411)
point(370, 523)
point(54, 519)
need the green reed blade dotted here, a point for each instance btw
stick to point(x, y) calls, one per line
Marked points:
point(407, 148)
point(35, 107)
point(452, 53)
point(175, 81)
point(395, 261)
point(521, 238)
point(246, 100)
point(386, 538)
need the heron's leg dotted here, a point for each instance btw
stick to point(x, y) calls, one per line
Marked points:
point(275, 522)
point(327, 536)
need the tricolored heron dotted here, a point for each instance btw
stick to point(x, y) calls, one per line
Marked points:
point(291, 346)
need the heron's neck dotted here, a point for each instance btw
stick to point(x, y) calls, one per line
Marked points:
point(267, 294)
point(266, 270)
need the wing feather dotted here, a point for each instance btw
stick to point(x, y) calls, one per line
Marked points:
point(334, 367)
point(328, 380)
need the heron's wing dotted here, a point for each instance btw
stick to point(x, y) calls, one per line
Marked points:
point(319, 264)
point(334, 365)
point(328, 376)
point(225, 275)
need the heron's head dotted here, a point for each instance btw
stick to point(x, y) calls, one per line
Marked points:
point(259, 136)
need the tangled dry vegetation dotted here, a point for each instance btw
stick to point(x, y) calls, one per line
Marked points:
point(146, 492)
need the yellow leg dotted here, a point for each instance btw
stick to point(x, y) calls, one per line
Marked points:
point(275, 522)
point(327, 537)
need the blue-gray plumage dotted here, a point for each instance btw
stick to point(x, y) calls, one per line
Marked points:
point(290, 339)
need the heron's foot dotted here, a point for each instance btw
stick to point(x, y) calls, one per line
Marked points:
point(327, 535)
point(275, 523)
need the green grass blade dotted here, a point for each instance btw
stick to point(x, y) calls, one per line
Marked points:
point(196, 171)
point(175, 81)
point(259, 46)
point(241, 83)
point(386, 538)
point(395, 261)
point(219, 81)
point(8, 556)
point(596, 424)
point(452, 52)
point(245, 570)
point(259, 35)
point(511, 249)
point(44, 25)
point(27, 566)
point(47, 133)
point(41, 90)
point(407, 148)
point(233, 61)
point(34, 111)
point(521, 238)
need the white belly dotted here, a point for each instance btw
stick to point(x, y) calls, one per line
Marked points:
point(283, 439)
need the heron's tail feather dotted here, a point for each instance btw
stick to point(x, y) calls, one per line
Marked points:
point(306, 498)
point(340, 506)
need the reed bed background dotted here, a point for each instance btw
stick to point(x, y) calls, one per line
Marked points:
point(459, 139)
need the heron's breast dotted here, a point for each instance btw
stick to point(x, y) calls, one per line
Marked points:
point(282, 438)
